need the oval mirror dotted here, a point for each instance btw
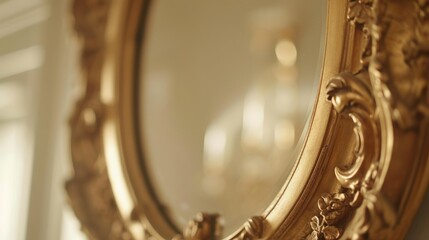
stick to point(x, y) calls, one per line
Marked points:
point(226, 89)
point(222, 114)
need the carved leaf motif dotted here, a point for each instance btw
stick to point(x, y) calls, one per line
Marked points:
point(360, 11)
point(315, 224)
point(203, 226)
point(332, 207)
point(313, 236)
point(321, 229)
point(331, 233)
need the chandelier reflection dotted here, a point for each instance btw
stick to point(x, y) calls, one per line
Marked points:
point(265, 136)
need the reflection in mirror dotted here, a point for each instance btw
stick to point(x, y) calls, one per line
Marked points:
point(226, 91)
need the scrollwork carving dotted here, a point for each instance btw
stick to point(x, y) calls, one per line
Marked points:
point(253, 229)
point(350, 95)
point(375, 98)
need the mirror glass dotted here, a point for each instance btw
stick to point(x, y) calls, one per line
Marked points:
point(226, 89)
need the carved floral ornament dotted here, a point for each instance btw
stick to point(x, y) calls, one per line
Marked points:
point(380, 94)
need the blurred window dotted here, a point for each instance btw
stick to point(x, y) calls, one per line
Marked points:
point(24, 37)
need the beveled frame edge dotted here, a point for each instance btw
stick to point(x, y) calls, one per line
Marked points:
point(373, 93)
point(126, 94)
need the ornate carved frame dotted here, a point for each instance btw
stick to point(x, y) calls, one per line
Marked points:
point(374, 87)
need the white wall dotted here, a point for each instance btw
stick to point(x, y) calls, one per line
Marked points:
point(37, 73)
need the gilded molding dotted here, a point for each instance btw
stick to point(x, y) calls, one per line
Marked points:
point(350, 95)
point(374, 100)
point(90, 190)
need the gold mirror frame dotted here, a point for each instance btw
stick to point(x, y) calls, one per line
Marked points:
point(374, 87)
